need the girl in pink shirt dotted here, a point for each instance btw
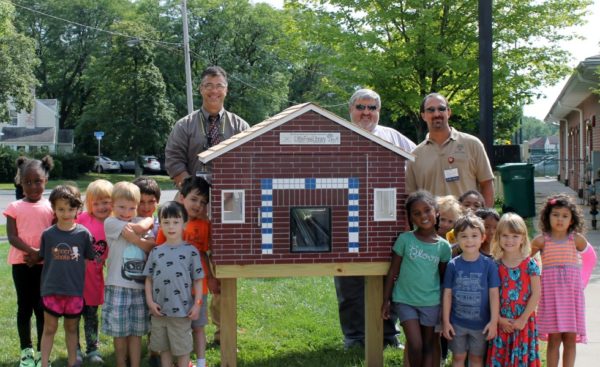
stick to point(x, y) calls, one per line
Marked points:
point(26, 219)
point(98, 203)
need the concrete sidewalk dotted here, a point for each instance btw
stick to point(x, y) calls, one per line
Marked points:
point(587, 354)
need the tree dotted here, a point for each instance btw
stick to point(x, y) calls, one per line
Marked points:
point(18, 60)
point(247, 40)
point(535, 128)
point(68, 37)
point(128, 99)
point(407, 49)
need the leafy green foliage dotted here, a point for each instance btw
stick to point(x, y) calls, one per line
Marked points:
point(130, 105)
point(8, 168)
point(407, 49)
point(66, 49)
point(534, 128)
point(18, 60)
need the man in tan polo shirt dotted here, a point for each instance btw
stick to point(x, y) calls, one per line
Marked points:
point(448, 162)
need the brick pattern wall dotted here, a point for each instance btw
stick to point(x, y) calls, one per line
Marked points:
point(244, 167)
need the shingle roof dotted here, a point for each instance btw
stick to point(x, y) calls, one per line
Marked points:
point(286, 116)
point(24, 135)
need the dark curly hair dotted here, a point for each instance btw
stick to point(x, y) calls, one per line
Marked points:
point(69, 193)
point(420, 195)
point(561, 200)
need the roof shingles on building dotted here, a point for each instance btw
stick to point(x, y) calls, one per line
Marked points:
point(23, 134)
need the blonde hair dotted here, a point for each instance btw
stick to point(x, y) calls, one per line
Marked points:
point(97, 190)
point(512, 223)
point(126, 191)
point(448, 205)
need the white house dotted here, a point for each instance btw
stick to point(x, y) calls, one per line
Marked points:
point(36, 130)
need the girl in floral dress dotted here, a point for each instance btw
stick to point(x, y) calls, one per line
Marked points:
point(517, 341)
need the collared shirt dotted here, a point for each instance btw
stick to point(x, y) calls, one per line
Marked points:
point(188, 139)
point(460, 151)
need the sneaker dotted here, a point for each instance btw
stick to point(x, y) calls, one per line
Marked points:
point(38, 361)
point(94, 357)
point(27, 359)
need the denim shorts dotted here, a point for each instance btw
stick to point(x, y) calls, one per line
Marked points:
point(427, 315)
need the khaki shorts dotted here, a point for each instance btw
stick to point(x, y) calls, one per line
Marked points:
point(172, 334)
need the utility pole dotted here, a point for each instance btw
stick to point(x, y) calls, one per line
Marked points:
point(186, 50)
point(486, 90)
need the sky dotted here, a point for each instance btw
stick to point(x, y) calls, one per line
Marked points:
point(579, 50)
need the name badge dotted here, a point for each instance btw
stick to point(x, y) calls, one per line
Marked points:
point(451, 174)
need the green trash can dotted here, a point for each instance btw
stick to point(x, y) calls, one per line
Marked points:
point(517, 181)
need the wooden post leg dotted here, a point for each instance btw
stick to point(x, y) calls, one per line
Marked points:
point(373, 321)
point(229, 322)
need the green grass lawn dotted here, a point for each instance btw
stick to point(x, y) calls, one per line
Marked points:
point(82, 182)
point(281, 322)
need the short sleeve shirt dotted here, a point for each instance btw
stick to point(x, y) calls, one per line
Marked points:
point(197, 232)
point(462, 152)
point(173, 270)
point(93, 291)
point(64, 254)
point(471, 282)
point(121, 253)
point(31, 220)
point(418, 283)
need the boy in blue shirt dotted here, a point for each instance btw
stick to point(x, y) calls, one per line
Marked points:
point(470, 300)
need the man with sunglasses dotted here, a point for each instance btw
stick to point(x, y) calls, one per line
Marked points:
point(448, 162)
point(365, 105)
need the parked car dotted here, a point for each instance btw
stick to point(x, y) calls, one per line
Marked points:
point(103, 164)
point(149, 163)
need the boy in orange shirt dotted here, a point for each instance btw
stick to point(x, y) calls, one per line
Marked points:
point(195, 194)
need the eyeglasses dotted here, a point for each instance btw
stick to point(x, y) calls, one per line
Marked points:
point(362, 107)
point(439, 109)
point(211, 86)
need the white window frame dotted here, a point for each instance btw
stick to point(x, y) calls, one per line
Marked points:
point(242, 194)
point(390, 197)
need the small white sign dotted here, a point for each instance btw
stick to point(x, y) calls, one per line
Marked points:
point(309, 138)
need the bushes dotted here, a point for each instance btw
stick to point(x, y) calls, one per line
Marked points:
point(8, 168)
point(66, 166)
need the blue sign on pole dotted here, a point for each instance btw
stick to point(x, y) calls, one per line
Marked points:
point(99, 134)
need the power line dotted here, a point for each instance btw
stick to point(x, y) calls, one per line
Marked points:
point(163, 44)
point(92, 27)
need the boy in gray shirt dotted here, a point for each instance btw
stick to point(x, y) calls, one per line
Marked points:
point(172, 271)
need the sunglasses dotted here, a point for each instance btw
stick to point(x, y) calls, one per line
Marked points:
point(362, 107)
point(439, 109)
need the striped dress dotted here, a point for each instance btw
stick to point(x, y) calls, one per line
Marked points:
point(562, 306)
